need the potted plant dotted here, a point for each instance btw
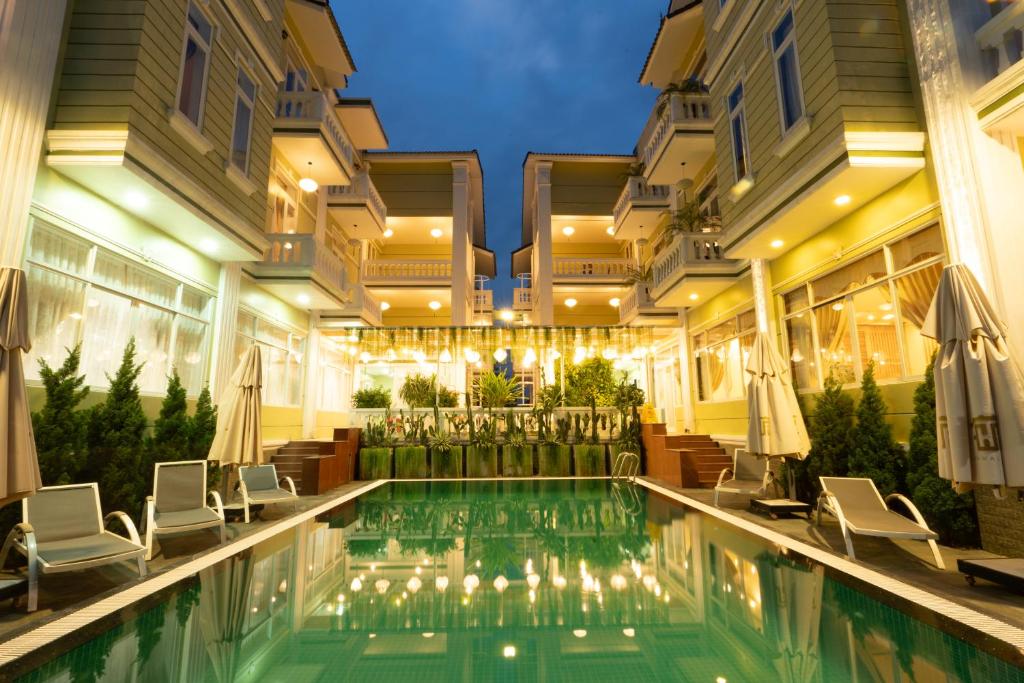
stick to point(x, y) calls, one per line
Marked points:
point(411, 457)
point(588, 452)
point(497, 391)
point(375, 452)
point(554, 453)
point(516, 452)
point(445, 454)
point(482, 453)
point(371, 397)
point(447, 398)
point(628, 399)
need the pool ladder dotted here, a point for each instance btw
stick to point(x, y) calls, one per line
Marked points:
point(627, 466)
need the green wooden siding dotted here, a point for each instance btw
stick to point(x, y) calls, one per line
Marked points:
point(414, 188)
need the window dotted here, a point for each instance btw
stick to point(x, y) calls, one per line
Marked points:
point(79, 292)
point(720, 357)
point(870, 310)
point(738, 128)
point(335, 375)
point(282, 352)
point(245, 104)
point(787, 72)
point(195, 65)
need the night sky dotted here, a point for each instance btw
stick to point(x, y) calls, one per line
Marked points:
point(503, 77)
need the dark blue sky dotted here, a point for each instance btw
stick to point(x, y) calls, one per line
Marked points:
point(503, 77)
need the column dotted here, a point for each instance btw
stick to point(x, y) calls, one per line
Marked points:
point(543, 257)
point(761, 281)
point(30, 40)
point(311, 385)
point(686, 385)
point(222, 358)
point(461, 257)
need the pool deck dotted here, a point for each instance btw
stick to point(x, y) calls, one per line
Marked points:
point(906, 561)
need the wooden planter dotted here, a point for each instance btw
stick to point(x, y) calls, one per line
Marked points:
point(554, 460)
point(411, 462)
point(374, 463)
point(446, 465)
point(517, 461)
point(481, 461)
point(589, 460)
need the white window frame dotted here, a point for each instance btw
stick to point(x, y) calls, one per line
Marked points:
point(740, 112)
point(240, 94)
point(696, 349)
point(296, 336)
point(194, 35)
point(777, 52)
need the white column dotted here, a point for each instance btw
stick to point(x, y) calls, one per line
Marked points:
point(760, 278)
point(461, 256)
point(686, 385)
point(310, 388)
point(543, 256)
point(30, 39)
point(222, 358)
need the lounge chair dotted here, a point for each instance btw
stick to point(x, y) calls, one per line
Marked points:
point(179, 502)
point(63, 529)
point(260, 486)
point(860, 509)
point(749, 475)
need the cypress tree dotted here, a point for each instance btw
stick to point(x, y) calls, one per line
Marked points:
point(832, 430)
point(805, 483)
point(202, 426)
point(876, 454)
point(171, 431)
point(61, 431)
point(949, 514)
point(116, 439)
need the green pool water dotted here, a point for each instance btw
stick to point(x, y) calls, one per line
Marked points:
point(520, 581)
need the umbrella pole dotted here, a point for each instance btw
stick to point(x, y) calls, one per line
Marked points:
point(791, 482)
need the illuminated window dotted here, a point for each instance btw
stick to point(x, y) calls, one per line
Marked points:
point(282, 352)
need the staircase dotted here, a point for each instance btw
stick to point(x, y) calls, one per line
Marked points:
point(683, 460)
point(288, 460)
point(319, 466)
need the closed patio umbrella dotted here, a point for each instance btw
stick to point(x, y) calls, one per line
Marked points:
point(775, 427)
point(979, 388)
point(239, 436)
point(224, 602)
point(19, 465)
point(792, 597)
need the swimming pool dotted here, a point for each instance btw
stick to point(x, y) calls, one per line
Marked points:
point(566, 580)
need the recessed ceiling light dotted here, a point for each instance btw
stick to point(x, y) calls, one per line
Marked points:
point(610, 230)
point(384, 305)
point(136, 200)
point(614, 302)
point(580, 633)
point(570, 302)
point(388, 233)
point(303, 299)
point(436, 232)
point(208, 246)
point(776, 244)
point(842, 200)
point(694, 296)
point(308, 185)
point(434, 305)
point(568, 231)
point(838, 306)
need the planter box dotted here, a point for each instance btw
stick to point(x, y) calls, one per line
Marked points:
point(481, 462)
point(447, 465)
point(374, 463)
point(411, 462)
point(589, 460)
point(554, 460)
point(517, 461)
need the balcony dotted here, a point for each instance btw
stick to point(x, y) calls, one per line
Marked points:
point(296, 268)
point(637, 308)
point(1000, 102)
point(522, 299)
point(691, 269)
point(640, 206)
point(358, 207)
point(309, 136)
point(678, 138)
point(407, 272)
point(590, 270)
point(483, 301)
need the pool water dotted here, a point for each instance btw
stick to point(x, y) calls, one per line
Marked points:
point(520, 581)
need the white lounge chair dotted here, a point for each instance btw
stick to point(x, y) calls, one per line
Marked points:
point(260, 486)
point(749, 475)
point(179, 502)
point(858, 506)
point(63, 530)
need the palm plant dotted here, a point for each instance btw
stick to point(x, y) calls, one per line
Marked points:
point(438, 436)
point(419, 391)
point(692, 218)
point(497, 390)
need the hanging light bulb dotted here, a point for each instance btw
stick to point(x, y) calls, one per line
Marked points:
point(530, 357)
point(500, 355)
point(470, 583)
point(357, 585)
point(617, 582)
point(588, 583)
point(445, 357)
point(533, 580)
point(441, 584)
point(650, 582)
point(382, 586)
point(414, 584)
point(559, 581)
point(554, 355)
point(500, 584)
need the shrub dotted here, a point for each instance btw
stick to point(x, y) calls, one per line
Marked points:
point(447, 398)
point(594, 379)
point(202, 427)
point(497, 390)
point(832, 430)
point(61, 431)
point(170, 438)
point(948, 513)
point(875, 453)
point(419, 391)
point(372, 397)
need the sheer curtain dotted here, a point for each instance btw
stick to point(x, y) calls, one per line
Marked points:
point(107, 329)
point(54, 317)
point(834, 341)
point(151, 328)
point(190, 353)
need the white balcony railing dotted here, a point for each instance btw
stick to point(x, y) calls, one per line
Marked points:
point(638, 192)
point(697, 251)
point(362, 190)
point(302, 251)
point(522, 299)
point(591, 268)
point(677, 110)
point(311, 107)
point(637, 299)
point(408, 270)
point(483, 300)
point(365, 305)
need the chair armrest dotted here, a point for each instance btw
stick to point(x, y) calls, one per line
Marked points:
point(217, 502)
point(291, 484)
point(129, 525)
point(25, 531)
point(722, 475)
point(768, 478)
point(243, 489)
point(832, 506)
point(909, 504)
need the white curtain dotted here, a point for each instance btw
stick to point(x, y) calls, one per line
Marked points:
point(190, 353)
point(107, 329)
point(54, 317)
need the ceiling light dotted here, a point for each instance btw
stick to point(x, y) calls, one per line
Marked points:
point(384, 305)
point(436, 232)
point(885, 306)
point(838, 306)
point(509, 652)
point(388, 233)
point(614, 302)
point(888, 316)
point(776, 244)
point(506, 315)
point(309, 185)
point(842, 200)
point(570, 303)
point(610, 230)
point(500, 355)
point(568, 231)
point(302, 299)
point(694, 296)
point(136, 200)
point(208, 246)
point(434, 305)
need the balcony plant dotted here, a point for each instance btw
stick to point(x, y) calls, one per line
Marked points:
point(371, 397)
point(516, 452)
point(482, 452)
point(375, 451)
point(445, 454)
point(497, 390)
point(588, 452)
point(554, 453)
point(419, 391)
point(692, 218)
point(411, 456)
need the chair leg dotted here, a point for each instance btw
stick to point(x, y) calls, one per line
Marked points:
point(245, 502)
point(142, 565)
point(935, 553)
point(149, 542)
point(223, 535)
point(33, 587)
point(849, 544)
point(716, 497)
